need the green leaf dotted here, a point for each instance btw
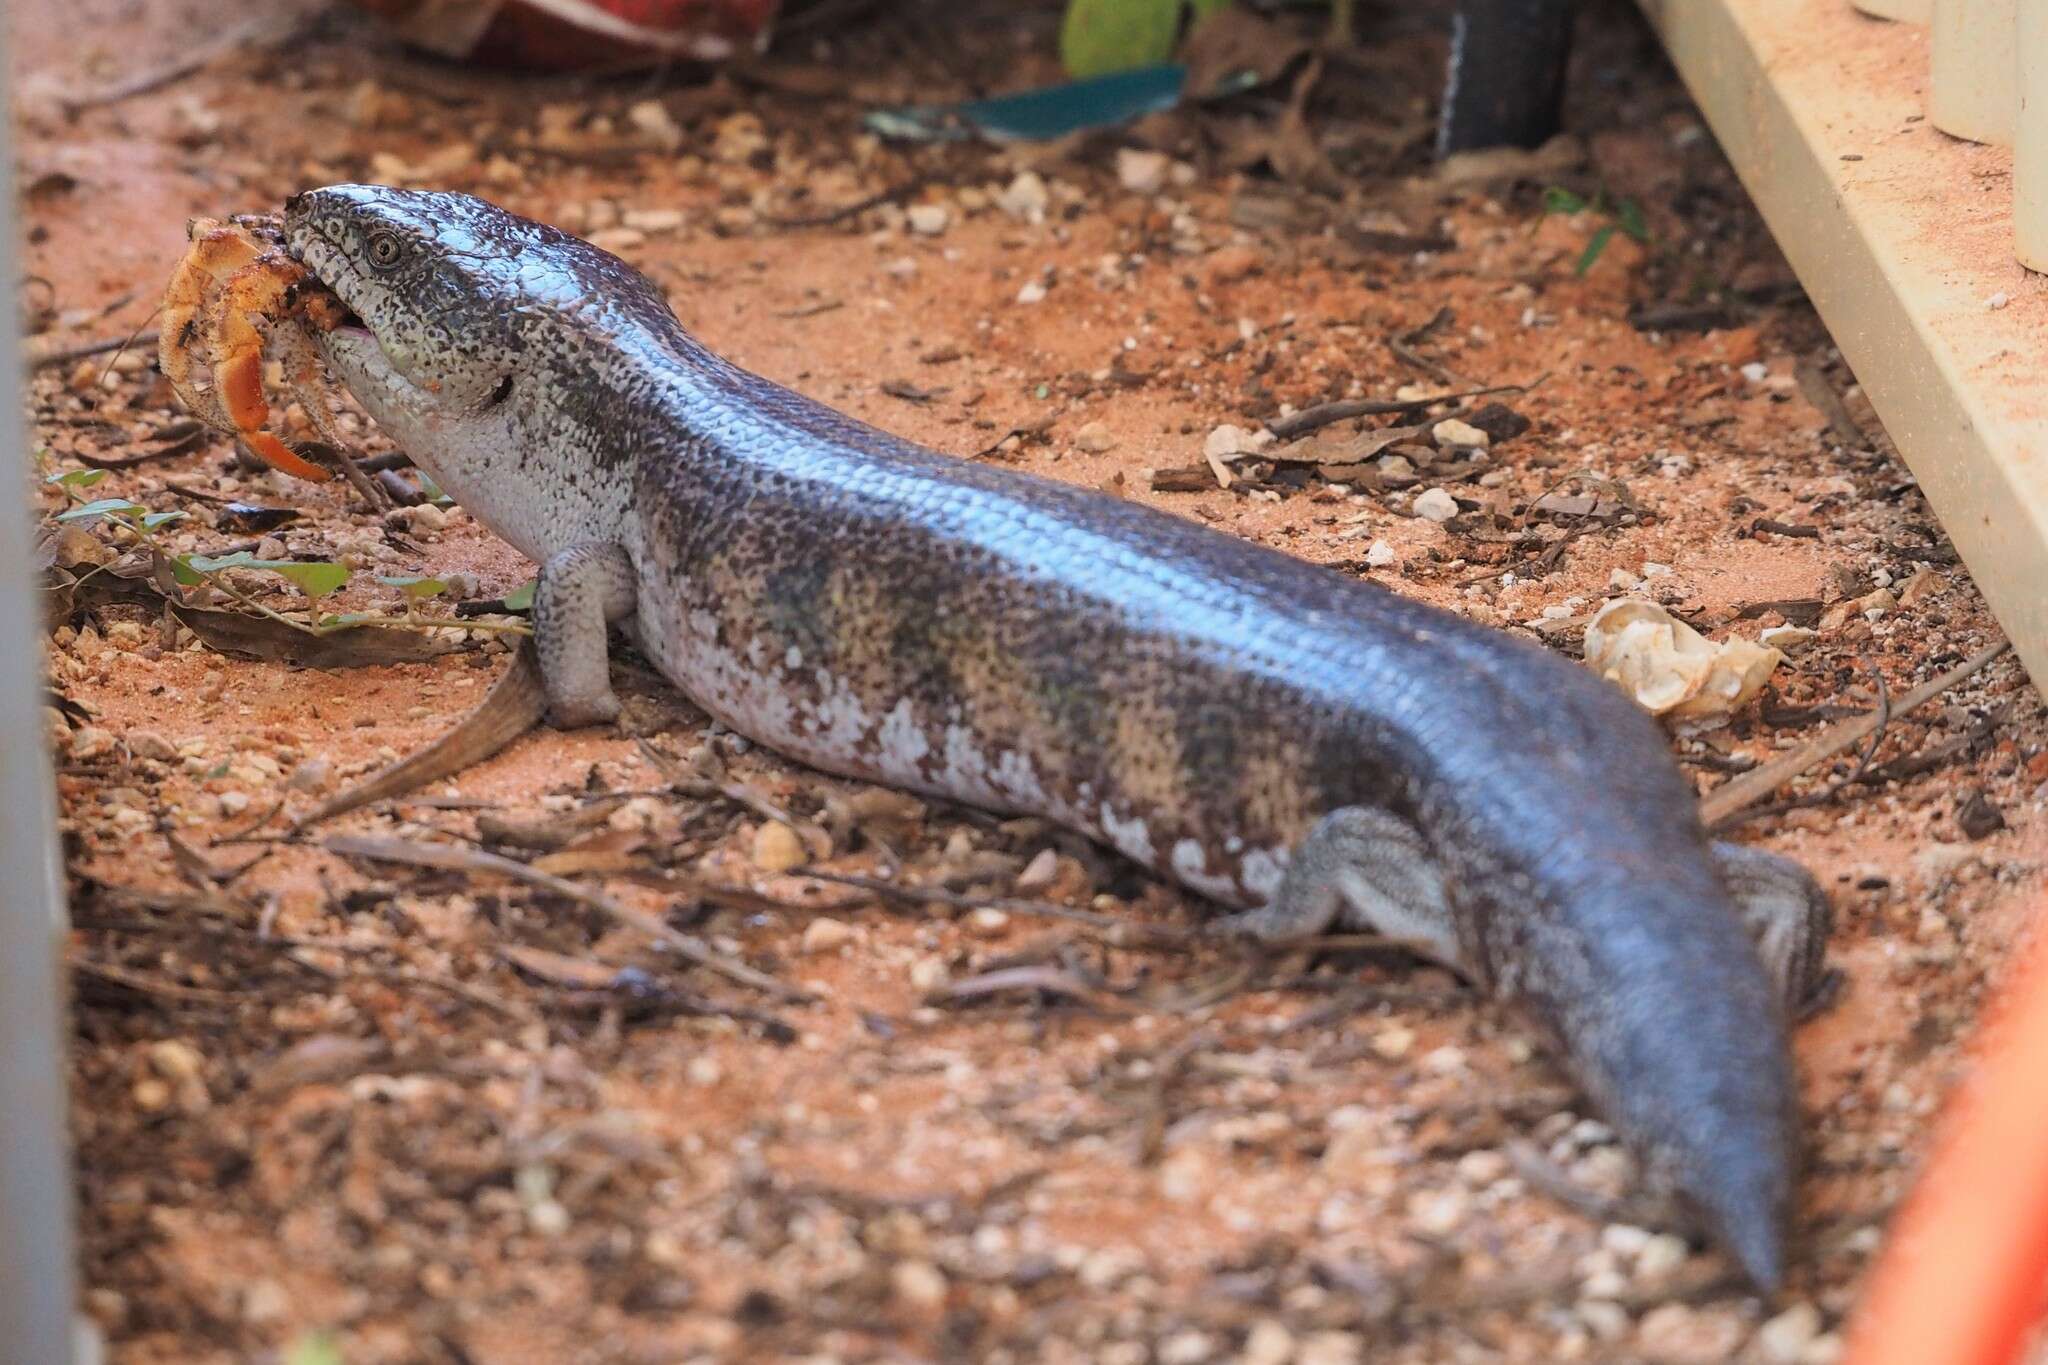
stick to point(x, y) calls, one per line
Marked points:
point(182, 570)
point(314, 580)
point(1593, 249)
point(1558, 199)
point(103, 507)
point(415, 587)
point(77, 478)
point(521, 597)
point(240, 559)
point(1629, 215)
point(1098, 37)
point(317, 1349)
point(156, 519)
point(335, 621)
point(431, 491)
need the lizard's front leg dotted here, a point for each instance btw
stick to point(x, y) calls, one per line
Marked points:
point(581, 590)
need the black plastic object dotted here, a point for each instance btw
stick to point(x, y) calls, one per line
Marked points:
point(1506, 80)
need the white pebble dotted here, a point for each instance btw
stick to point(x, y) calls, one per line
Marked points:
point(1452, 434)
point(1436, 505)
point(1379, 555)
point(1784, 1339)
point(1268, 1343)
point(652, 220)
point(927, 220)
point(1226, 441)
point(1025, 198)
point(918, 1283)
point(827, 935)
point(1141, 172)
point(1094, 438)
point(986, 922)
point(1393, 1042)
point(1032, 292)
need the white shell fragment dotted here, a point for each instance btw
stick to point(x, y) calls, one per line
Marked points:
point(1670, 668)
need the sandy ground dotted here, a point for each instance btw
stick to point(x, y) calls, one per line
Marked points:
point(434, 1115)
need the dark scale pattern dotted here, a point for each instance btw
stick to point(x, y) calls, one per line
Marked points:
point(881, 610)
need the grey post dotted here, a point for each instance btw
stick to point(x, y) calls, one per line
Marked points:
point(36, 1295)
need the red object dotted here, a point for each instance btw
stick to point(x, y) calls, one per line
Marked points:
point(567, 35)
point(1964, 1276)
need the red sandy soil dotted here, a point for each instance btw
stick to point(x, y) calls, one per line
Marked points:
point(317, 1095)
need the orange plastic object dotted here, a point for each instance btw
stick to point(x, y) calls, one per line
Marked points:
point(1964, 1277)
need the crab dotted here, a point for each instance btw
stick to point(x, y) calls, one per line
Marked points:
point(234, 297)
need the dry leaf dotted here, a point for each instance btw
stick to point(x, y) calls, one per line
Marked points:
point(1670, 668)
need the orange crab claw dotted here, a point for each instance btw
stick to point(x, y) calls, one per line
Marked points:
point(239, 379)
point(256, 292)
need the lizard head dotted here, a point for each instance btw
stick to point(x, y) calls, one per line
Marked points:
point(455, 301)
point(432, 282)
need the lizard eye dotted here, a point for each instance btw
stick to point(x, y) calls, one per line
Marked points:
point(384, 248)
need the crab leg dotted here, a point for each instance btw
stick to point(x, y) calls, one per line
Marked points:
point(216, 249)
point(258, 293)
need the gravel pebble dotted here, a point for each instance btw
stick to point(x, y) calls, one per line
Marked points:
point(918, 1283)
point(151, 745)
point(777, 848)
point(1660, 1256)
point(986, 922)
point(1025, 198)
point(1393, 1042)
point(1452, 434)
point(1094, 438)
point(927, 220)
point(1436, 505)
point(1142, 172)
point(825, 934)
point(1680, 1335)
point(1268, 1343)
point(1784, 1339)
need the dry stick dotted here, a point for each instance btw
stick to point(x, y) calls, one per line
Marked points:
point(830, 217)
point(1732, 797)
point(39, 356)
point(454, 859)
point(191, 63)
point(1323, 414)
point(1121, 932)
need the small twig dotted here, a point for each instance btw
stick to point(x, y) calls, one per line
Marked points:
point(811, 310)
point(1721, 806)
point(170, 73)
point(1408, 355)
point(1117, 928)
point(685, 784)
point(55, 354)
point(1120, 931)
point(1323, 414)
point(449, 857)
point(839, 215)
